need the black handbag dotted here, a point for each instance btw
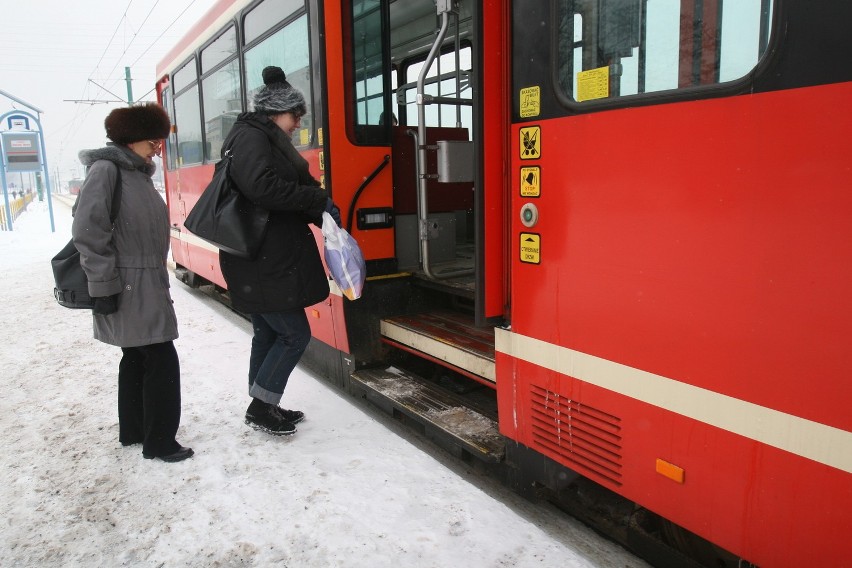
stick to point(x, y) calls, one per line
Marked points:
point(72, 285)
point(225, 218)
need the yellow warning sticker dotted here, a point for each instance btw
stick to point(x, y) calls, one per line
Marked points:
point(304, 137)
point(530, 143)
point(530, 102)
point(593, 84)
point(319, 136)
point(321, 156)
point(531, 248)
point(531, 181)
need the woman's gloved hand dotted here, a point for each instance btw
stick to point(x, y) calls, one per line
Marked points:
point(332, 210)
point(105, 305)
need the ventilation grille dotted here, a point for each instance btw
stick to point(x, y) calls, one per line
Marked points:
point(577, 433)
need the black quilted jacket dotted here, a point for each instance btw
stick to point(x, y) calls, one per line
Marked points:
point(288, 272)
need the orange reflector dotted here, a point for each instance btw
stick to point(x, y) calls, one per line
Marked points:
point(315, 313)
point(671, 471)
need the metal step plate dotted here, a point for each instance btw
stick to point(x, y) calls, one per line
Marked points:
point(445, 418)
point(446, 337)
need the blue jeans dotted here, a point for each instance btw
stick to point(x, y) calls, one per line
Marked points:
point(279, 340)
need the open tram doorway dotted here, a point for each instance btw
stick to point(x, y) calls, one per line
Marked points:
point(433, 148)
point(419, 68)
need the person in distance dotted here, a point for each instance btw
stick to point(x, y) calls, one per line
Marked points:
point(287, 275)
point(125, 263)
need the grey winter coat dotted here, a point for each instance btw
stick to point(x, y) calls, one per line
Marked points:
point(128, 258)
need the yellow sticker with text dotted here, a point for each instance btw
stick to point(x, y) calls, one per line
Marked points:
point(304, 137)
point(530, 143)
point(530, 101)
point(319, 136)
point(593, 84)
point(531, 248)
point(321, 157)
point(531, 181)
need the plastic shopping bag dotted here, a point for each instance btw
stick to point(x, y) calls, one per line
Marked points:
point(343, 258)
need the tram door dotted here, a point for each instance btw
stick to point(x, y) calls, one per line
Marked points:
point(420, 90)
point(428, 86)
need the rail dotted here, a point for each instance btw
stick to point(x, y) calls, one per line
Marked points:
point(360, 189)
point(421, 148)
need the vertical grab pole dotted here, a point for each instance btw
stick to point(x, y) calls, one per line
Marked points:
point(422, 157)
point(445, 7)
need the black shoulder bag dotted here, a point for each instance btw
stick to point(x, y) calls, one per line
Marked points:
point(72, 286)
point(226, 218)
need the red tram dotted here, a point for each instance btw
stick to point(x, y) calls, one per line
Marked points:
point(608, 243)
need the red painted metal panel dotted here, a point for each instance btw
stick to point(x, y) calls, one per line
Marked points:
point(495, 187)
point(706, 242)
point(771, 507)
point(350, 165)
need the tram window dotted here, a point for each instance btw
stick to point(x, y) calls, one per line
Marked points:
point(266, 14)
point(222, 49)
point(184, 77)
point(445, 68)
point(616, 48)
point(188, 121)
point(171, 142)
point(220, 91)
point(368, 73)
point(289, 49)
point(222, 105)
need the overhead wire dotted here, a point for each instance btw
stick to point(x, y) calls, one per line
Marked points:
point(155, 40)
point(132, 39)
point(153, 43)
point(109, 43)
point(81, 114)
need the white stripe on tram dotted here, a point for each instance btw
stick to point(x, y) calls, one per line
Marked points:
point(819, 442)
point(191, 239)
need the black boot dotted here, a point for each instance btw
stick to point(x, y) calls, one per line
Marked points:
point(266, 418)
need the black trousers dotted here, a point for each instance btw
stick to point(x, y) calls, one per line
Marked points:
point(149, 398)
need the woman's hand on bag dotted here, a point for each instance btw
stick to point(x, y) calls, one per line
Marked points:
point(105, 305)
point(332, 210)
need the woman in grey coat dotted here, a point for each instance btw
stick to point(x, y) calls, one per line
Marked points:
point(125, 263)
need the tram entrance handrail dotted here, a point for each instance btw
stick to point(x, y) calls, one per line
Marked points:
point(444, 8)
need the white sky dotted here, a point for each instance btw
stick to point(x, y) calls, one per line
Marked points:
point(50, 50)
point(350, 489)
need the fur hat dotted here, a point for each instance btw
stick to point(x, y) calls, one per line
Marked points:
point(141, 122)
point(277, 95)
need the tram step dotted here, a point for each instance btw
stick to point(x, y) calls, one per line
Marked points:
point(447, 338)
point(443, 417)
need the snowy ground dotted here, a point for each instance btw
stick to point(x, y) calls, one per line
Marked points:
point(350, 489)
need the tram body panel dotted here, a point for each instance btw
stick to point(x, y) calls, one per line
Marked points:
point(705, 291)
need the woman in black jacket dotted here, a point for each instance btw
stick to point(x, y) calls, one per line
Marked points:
point(287, 275)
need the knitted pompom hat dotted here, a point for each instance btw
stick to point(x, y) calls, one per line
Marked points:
point(141, 122)
point(277, 95)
